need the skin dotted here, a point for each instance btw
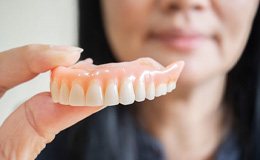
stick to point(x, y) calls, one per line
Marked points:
point(187, 126)
point(197, 129)
point(38, 118)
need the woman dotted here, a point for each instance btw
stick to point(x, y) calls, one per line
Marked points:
point(212, 114)
point(209, 122)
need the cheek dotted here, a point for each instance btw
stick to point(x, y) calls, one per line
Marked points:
point(235, 17)
point(125, 25)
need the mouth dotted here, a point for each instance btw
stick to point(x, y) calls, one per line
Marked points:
point(180, 39)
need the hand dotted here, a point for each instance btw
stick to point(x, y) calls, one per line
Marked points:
point(36, 122)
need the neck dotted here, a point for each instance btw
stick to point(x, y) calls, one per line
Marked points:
point(188, 122)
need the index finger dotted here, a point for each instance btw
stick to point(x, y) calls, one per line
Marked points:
point(24, 63)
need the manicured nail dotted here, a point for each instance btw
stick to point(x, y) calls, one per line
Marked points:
point(66, 48)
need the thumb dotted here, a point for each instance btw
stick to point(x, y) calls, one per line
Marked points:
point(49, 118)
point(35, 123)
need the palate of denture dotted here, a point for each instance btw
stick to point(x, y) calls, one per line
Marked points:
point(86, 84)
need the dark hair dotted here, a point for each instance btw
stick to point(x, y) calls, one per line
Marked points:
point(110, 131)
point(242, 94)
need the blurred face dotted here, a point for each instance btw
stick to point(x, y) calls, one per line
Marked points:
point(209, 35)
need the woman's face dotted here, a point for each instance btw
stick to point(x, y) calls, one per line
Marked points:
point(209, 35)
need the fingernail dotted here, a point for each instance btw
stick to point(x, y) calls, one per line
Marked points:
point(89, 60)
point(67, 48)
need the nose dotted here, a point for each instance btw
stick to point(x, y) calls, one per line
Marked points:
point(185, 5)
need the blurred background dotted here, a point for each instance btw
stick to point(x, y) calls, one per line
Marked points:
point(34, 21)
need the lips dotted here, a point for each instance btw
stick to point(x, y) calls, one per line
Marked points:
point(180, 40)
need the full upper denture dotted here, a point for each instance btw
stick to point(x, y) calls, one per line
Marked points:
point(86, 84)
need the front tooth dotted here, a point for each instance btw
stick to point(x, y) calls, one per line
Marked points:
point(64, 93)
point(161, 89)
point(55, 91)
point(94, 96)
point(140, 91)
point(111, 95)
point(126, 93)
point(76, 97)
point(150, 91)
point(171, 86)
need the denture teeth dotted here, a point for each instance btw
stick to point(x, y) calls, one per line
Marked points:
point(111, 94)
point(64, 93)
point(150, 91)
point(140, 91)
point(161, 89)
point(86, 84)
point(94, 96)
point(126, 93)
point(76, 97)
point(171, 86)
point(55, 91)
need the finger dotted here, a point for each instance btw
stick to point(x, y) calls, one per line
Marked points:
point(23, 63)
point(50, 118)
point(35, 123)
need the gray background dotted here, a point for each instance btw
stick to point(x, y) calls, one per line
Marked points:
point(34, 21)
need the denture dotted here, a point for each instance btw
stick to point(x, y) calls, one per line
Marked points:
point(86, 84)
